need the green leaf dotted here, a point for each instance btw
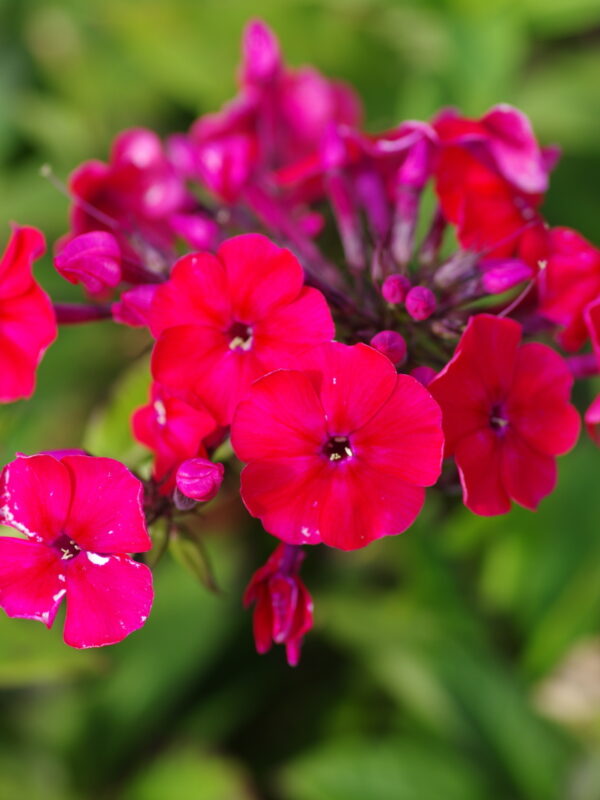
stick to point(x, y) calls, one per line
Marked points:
point(392, 769)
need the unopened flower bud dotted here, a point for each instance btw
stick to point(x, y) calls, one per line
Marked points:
point(395, 288)
point(92, 259)
point(199, 479)
point(262, 59)
point(423, 374)
point(420, 303)
point(499, 275)
point(392, 344)
point(134, 306)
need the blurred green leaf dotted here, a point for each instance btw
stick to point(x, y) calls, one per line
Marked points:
point(187, 774)
point(109, 430)
point(393, 769)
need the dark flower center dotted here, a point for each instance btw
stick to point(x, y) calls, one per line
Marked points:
point(66, 547)
point(337, 448)
point(240, 336)
point(498, 418)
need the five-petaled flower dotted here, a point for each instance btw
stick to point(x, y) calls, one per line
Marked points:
point(81, 516)
point(224, 320)
point(506, 415)
point(283, 611)
point(339, 449)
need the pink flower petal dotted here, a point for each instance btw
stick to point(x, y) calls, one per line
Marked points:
point(35, 495)
point(295, 427)
point(405, 437)
point(285, 494)
point(24, 246)
point(108, 597)
point(539, 405)
point(352, 382)
point(478, 458)
point(528, 475)
point(261, 275)
point(31, 580)
point(195, 294)
point(27, 328)
point(106, 513)
point(294, 328)
point(361, 504)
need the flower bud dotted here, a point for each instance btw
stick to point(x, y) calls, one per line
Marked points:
point(420, 303)
point(423, 374)
point(262, 58)
point(199, 479)
point(134, 306)
point(499, 275)
point(92, 259)
point(199, 230)
point(392, 344)
point(394, 288)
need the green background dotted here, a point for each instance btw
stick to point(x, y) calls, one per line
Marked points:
point(460, 661)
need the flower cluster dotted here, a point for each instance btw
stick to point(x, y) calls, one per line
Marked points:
point(303, 326)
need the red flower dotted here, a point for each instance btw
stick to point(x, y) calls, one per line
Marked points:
point(490, 177)
point(339, 449)
point(570, 281)
point(81, 515)
point(174, 428)
point(506, 415)
point(138, 196)
point(27, 322)
point(222, 321)
point(284, 610)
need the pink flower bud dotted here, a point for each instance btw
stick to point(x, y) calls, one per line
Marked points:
point(423, 374)
point(392, 344)
point(420, 303)
point(92, 259)
point(394, 288)
point(199, 230)
point(499, 275)
point(199, 479)
point(262, 58)
point(134, 306)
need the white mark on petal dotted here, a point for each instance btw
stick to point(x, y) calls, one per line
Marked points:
point(97, 559)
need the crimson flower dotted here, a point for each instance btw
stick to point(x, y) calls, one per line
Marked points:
point(174, 427)
point(283, 611)
point(224, 320)
point(570, 281)
point(27, 321)
point(338, 450)
point(490, 177)
point(81, 516)
point(506, 415)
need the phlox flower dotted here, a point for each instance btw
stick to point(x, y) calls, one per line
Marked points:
point(81, 516)
point(174, 427)
point(506, 415)
point(223, 320)
point(283, 607)
point(338, 449)
point(490, 177)
point(27, 321)
point(569, 282)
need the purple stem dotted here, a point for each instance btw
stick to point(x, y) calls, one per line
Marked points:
point(74, 313)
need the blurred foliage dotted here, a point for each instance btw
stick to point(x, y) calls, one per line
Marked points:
point(459, 661)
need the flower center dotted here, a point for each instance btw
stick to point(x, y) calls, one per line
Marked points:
point(240, 336)
point(66, 547)
point(498, 418)
point(337, 448)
